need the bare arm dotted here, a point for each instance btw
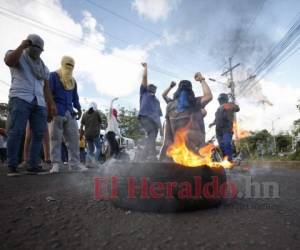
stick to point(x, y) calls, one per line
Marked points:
point(111, 105)
point(12, 59)
point(145, 75)
point(207, 95)
point(166, 92)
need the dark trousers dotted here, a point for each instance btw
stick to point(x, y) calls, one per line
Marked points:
point(3, 154)
point(151, 130)
point(114, 148)
point(225, 143)
point(20, 112)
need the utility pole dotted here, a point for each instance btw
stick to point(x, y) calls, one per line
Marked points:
point(231, 82)
point(232, 89)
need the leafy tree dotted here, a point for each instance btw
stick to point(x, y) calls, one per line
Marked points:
point(129, 124)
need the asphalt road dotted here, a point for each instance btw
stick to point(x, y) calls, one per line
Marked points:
point(59, 212)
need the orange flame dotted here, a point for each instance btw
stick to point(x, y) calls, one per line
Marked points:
point(238, 132)
point(180, 153)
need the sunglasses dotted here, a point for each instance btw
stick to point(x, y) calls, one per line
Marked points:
point(69, 64)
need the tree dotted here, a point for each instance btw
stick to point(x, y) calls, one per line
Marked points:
point(129, 124)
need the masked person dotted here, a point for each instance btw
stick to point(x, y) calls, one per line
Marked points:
point(186, 109)
point(91, 124)
point(64, 90)
point(149, 115)
point(29, 98)
point(224, 117)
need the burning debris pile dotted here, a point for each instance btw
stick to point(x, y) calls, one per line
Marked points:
point(182, 155)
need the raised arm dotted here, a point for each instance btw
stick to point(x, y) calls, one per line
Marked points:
point(12, 58)
point(207, 95)
point(145, 75)
point(111, 105)
point(166, 92)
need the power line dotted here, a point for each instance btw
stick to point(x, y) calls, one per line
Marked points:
point(69, 36)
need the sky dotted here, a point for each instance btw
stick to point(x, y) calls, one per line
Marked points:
point(177, 38)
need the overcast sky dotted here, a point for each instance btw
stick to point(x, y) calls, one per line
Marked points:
point(176, 37)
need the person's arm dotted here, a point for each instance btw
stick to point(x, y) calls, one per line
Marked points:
point(111, 105)
point(51, 106)
point(145, 75)
point(82, 123)
point(12, 58)
point(207, 95)
point(166, 92)
point(76, 103)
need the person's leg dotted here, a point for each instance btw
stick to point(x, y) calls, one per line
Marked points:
point(56, 136)
point(227, 141)
point(27, 143)
point(46, 145)
point(38, 123)
point(19, 112)
point(2, 155)
point(71, 135)
point(152, 134)
point(97, 143)
point(221, 144)
point(91, 149)
point(151, 130)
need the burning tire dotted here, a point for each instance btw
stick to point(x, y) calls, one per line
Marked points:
point(166, 187)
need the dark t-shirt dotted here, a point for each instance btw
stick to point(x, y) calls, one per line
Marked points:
point(92, 123)
point(149, 106)
point(224, 118)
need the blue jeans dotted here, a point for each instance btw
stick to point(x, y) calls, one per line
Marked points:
point(92, 144)
point(225, 143)
point(20, 112)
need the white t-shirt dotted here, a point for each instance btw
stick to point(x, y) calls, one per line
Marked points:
point(2, 141)
point(112, 125)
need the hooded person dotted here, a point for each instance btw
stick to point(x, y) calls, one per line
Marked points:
point(149, 116)
point(224, 118)
point(186, 110)
point(29, 100)
point(64, 90)
point(91, 124)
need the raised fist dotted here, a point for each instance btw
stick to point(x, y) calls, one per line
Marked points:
point(144, 65)
point(173, 84)
point(199, 77)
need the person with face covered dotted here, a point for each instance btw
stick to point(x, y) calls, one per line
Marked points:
point(224, 124)
point(91, 124)
point(29, 99)
point(64, 90)
point(149, 115)
point(187, 109)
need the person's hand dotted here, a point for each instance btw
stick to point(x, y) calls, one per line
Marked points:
point(144, 65)
point(51, 112)
point(199, 77)
point(173, 84)
point(78, 114)
point(26, 44)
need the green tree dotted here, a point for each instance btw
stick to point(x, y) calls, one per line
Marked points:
point(129, 124)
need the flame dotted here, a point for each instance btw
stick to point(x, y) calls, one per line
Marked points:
point(180, 153)
point(238, 132)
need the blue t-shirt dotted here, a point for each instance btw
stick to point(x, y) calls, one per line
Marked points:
point(149, 105)
point(65, 99)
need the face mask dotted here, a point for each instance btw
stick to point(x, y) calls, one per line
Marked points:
point(34, 52)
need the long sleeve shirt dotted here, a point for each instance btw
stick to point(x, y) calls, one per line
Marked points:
point(65, 99)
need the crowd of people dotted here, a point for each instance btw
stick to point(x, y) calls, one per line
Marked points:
point(45, 107)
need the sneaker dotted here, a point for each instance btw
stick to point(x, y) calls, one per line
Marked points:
point(78, 168)
point(13, 172)
point(55, 168)
point(36, 171)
